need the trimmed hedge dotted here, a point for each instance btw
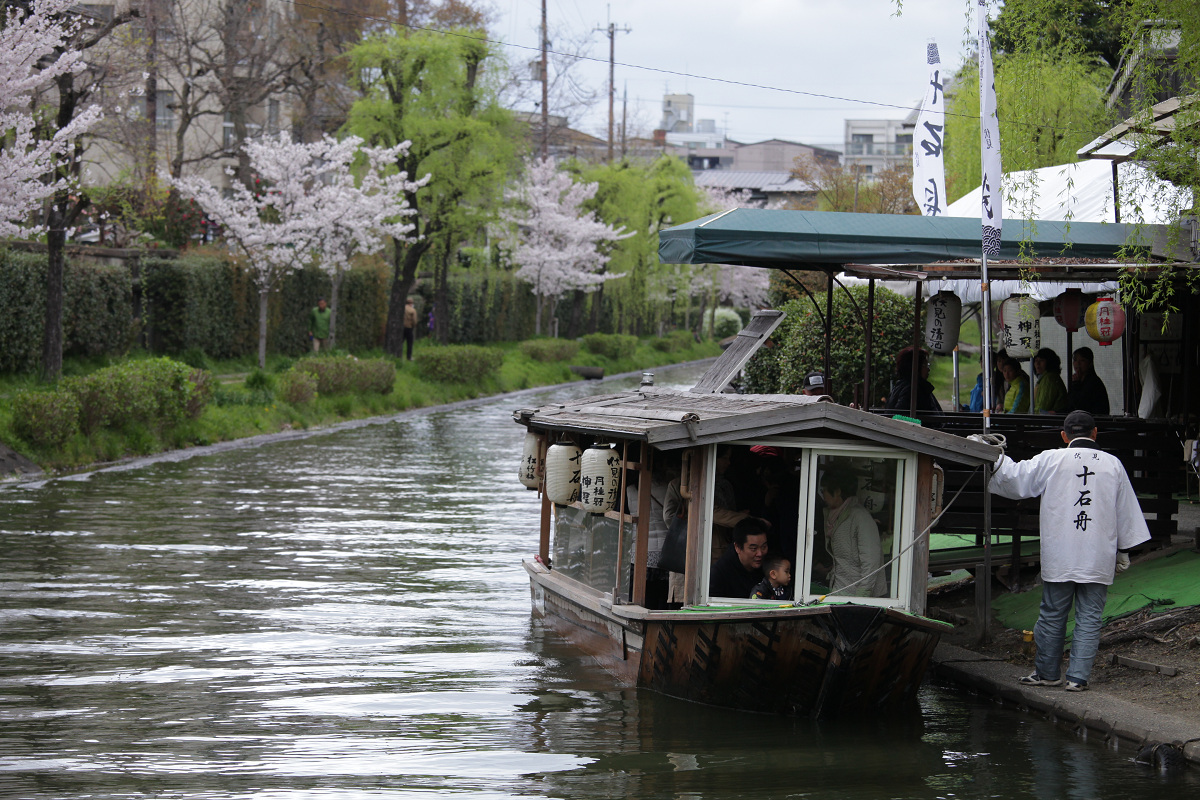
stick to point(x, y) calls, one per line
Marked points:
point(550, 350)
point(297, 387)
point(97, 309)
point(458, 364)
point(210, 303)
point(158, 392)
point(340, 374)
point(614, 346)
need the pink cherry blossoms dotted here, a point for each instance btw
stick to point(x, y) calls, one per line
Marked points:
point(28, 44)
point(559, 243)
point(308, 208)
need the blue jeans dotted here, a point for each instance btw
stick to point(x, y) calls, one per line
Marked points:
point(1051, 628)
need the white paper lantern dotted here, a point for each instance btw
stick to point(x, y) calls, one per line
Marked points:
point(527, 473)
point(1020, 326)
point(562, 473)
point(599, 479)
point(943, 315)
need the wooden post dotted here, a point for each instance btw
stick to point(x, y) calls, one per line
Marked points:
point(642, 546)
point(544, 544)
point(697, 480)
point(920, 550)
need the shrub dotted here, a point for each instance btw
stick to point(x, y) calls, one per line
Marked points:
point(614, 346)
point(375, 375)
point(45, 419)
point(673, 342)
point(158, 392)
point(297, 387)
point(799, 345)
point(339, 374)
point(258, 380)
point(458, 364)
point(727, 323)
point(550, 350)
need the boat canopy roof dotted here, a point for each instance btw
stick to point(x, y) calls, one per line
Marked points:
point(669, 420)
point(826, 240)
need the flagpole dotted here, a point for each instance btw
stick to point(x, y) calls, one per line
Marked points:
point(991, 218)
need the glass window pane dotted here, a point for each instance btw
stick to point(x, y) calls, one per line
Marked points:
point(858, 524)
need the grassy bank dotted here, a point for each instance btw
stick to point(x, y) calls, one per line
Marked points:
point(244, 401)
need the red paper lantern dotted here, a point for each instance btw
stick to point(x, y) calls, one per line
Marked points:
point(1070, 310)
point(1105, 321)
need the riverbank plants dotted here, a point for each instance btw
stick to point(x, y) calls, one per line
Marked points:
point(107, 410)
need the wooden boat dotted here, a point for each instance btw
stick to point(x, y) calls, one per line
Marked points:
point(596, 577)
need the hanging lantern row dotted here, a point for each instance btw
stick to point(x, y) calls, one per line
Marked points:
point(562, 473)
point(599, 479)
point(527, 473)
point(943, 315)
point(1105, 321)
point(1070, 309)
point(1020, 326)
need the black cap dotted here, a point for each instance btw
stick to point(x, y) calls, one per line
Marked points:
point(814, 380)
point(1079, 423)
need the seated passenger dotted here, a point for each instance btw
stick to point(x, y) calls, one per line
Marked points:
point(1016, 399)
point(1087, 392)
point(740, 568)
point(902, 390)
point(852, 538)
point(775, 585)
point(1050, 395)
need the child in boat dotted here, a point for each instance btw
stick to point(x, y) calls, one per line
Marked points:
point(779, 577)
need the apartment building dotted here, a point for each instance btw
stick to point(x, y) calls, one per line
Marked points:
point(873, 145)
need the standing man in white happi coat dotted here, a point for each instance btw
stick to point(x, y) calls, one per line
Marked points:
point(1089, 515)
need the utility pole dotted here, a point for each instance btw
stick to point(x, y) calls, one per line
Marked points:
point(545, 89)
point(612, 32)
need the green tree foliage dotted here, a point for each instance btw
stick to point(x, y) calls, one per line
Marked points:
point(433, 89)
point(1050, 105)
point(798, 345)
point(642, 197)
point(1086, 27)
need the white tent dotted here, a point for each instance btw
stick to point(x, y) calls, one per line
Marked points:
point(1082, 192)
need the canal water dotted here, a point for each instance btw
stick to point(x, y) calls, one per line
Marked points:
point(345, 616)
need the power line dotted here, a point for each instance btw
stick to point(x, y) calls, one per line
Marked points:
point(674, 73)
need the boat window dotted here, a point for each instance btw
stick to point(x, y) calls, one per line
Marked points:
point(859, 526)
point(588, 547)
point(837, 513)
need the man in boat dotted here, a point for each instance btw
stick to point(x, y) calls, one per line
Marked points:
point(739, 570)
point(1089, 515)
point(814, 384)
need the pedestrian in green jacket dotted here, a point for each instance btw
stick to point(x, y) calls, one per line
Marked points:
point(318, 325)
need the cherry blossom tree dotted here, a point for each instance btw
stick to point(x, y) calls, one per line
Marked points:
point(29, 40)
point(560, 244)
point(305, 206)
point(354, 216)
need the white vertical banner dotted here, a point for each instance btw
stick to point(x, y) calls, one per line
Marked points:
point(929, 170)
point(989, 140)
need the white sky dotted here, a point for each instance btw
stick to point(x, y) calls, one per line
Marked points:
point(848, 50)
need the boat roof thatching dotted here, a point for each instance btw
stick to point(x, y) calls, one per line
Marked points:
point(669, 420)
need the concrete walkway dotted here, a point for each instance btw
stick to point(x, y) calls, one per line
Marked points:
point(1122, 725)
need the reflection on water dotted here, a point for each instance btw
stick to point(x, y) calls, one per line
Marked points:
point(345, 616)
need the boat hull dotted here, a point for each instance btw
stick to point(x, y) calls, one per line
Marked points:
point(829, 660)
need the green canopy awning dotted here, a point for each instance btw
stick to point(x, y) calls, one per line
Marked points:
point(765, 238)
